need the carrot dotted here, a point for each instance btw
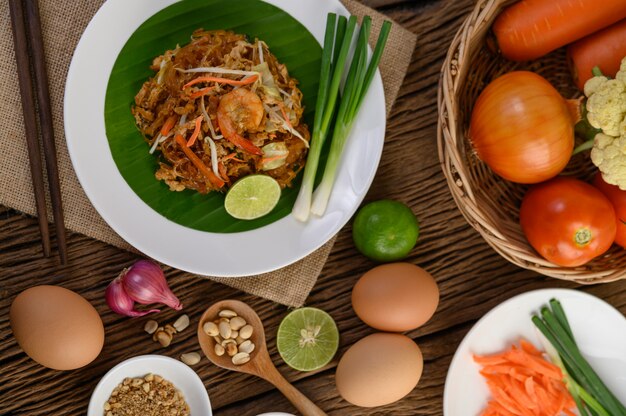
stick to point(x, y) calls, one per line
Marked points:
point(282, 110)
point(198, 163)
point(167, 126)
point(522, 383)
point(530, 29)
point(604, 49)
point(272, 158)
point(196, 132)
point(198, 80)
point(201, 92)
point(232, 156)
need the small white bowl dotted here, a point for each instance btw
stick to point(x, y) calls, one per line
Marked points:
point(184, 378)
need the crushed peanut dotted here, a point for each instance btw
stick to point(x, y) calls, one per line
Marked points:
point(142, 396)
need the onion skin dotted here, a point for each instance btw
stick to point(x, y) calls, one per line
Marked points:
point(522, 128)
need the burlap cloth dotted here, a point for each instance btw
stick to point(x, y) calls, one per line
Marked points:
point(63, 23)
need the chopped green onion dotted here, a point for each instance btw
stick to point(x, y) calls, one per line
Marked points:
point(357, 83)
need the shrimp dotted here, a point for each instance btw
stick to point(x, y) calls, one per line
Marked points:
point(240, 110)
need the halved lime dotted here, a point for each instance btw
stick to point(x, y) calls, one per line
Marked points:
point(307, 339)
point(252, 197)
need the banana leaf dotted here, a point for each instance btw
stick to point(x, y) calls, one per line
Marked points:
point(287, 39)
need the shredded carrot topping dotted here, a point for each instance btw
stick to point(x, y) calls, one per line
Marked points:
point(282, 110)
point(196, 132)
point(523, 383)
point(167, 126)
point(201, 92)
point(198, 163)
point(232, 156)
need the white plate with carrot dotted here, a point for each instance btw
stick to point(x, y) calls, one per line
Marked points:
point(599, 331)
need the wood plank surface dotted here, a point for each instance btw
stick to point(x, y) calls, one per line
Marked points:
point(471, 276)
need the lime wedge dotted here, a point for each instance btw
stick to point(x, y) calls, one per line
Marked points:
point(252, 197)
point(307, 339)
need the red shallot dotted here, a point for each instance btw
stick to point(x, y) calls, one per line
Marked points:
point(144, 283)
point(120, 302)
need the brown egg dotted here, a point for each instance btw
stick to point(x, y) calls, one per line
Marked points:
point(379, 369)
point(56, 327)
point(395, 297)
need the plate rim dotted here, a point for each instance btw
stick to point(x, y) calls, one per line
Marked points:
point(207, 268)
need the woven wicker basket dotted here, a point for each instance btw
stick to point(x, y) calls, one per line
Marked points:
point(489, 203)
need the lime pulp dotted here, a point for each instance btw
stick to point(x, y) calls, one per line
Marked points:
point(307, 339)
point(252, 197)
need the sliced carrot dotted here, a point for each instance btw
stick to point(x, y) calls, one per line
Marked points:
point(222, 170)
point(198, 163)
point(219, 80)
point(522, 383)
point(196, 132)
point(167, 126)
point(537, 364)
point(201, 92)
point(272, 158)
point(490, 359)
point(529, 348)
point(232, 156)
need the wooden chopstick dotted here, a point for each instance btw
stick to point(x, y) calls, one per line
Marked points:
point(26, 25)
point(33, 24)
point(30, 121)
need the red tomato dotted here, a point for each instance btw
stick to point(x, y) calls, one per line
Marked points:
point(569, 222)
point(618, 199)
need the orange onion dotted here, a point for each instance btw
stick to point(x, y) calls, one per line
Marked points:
point(522, 128)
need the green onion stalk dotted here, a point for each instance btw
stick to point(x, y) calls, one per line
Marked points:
point(337, 38)
point(358, 80)
point(591, 395)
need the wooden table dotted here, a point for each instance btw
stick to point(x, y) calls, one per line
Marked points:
point(471, 276)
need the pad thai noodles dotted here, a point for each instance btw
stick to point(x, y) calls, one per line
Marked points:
point(221, 108)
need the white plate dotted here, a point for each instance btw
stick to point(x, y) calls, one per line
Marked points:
point(265, 249)
point(599, 329)
point(183, 377)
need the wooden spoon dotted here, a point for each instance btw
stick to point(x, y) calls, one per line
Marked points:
point(260, 363)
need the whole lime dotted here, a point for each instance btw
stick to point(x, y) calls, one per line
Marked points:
point(385, 230)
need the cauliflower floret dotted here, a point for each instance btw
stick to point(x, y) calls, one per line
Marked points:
point(606, 110)
point(621, 74)
point(609, 155)
point(606, 107)
point(594, 84)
